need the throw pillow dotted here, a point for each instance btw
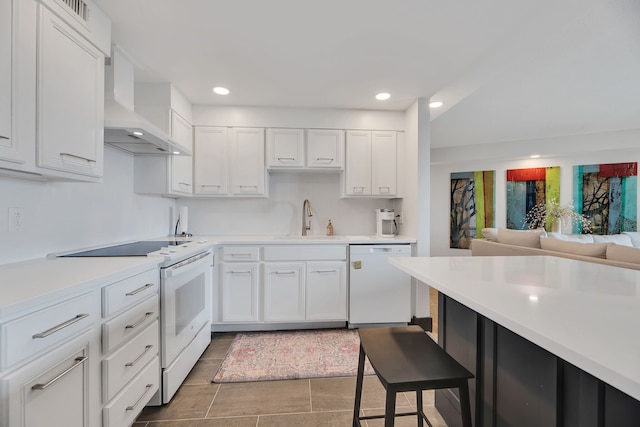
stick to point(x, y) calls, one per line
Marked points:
point(635, 238)
point(491, 234)
point(597, 250)
point(583, 238)
point(618, 239)
point(527, 238)
point(623, 253)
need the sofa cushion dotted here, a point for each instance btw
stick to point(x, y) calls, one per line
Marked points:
point(618, 239)
point(527, 238)
point(623, 253)
point(583, 238)
point(635, 238)
point(598, 250)
point(491, 234)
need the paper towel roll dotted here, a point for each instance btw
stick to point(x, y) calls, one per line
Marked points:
point(183, 216)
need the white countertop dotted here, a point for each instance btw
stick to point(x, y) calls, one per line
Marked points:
point(30, 283)
point(585, 313)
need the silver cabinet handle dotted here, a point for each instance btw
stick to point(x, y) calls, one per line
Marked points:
point(285, 272)
point(210, 185)
point(62, 325)
point(139, 322)
point(240, 271)
point(137, 359)
point(384, 189)
point(4, 137)
point(86, 159)
point(140, 289)
point(325, 159)
point(324, 271)
point(286, 158)
point(146, 390)
point(79, 361)
point(358, 189)
point(248, 188)
point(184, 183)
point(247, 254)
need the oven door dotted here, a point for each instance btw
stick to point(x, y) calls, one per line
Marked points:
point(186, 303)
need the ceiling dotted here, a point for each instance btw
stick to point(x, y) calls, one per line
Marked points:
point(506, 70)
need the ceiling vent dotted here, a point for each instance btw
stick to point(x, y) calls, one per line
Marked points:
point(79, 8)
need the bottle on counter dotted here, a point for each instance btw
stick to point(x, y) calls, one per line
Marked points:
point(329, 229)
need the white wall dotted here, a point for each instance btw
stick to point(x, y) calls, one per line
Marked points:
point(281, 213)
point(566, 152)
point(60, 216)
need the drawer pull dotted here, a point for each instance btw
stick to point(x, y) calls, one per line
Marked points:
point(288, 273)
point(79, 361)
point(146, 390)
point(4, 137)
point(325, 159)
point(62, 325)
point(140, 289)
point(324, 271)
point(146, 349)
point(240, 271)
point(243, 255)
point(139, 322)
point(86, 159)
point(184, 183)
point(286, 158)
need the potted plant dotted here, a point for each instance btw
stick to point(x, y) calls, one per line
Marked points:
point(552, 215)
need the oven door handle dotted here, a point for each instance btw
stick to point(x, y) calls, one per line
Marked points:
point(188, 264)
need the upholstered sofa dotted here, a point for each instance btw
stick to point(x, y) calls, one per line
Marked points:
point(620, 250)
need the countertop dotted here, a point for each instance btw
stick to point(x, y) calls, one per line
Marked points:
point(27, 284)
point(585, 313)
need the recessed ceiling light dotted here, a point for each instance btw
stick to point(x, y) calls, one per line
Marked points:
point(176, 152)
point(436, 104)
point(137, 133)
point(221, 90)
point(382, 96)
point(534, 156)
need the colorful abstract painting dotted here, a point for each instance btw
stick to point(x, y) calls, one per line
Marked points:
point(527, 188)
point(607, 195)
point(472, 206)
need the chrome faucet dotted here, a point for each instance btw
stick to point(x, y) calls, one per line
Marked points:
point(306, 207)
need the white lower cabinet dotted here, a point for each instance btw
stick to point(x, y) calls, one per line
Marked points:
point(281, 284)
point(284, 292)
point(326, 290)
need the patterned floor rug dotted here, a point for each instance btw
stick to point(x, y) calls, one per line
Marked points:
point(263, 356)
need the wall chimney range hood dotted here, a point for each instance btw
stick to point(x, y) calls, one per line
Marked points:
point(124, 128)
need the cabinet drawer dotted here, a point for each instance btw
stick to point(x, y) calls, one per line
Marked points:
point(305, 253)
point(128, 324)
point(241, 253)
point(127, 362)
point(124, 409)
point(129, 291)
point(37, 332)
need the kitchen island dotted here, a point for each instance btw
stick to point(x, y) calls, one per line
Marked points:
point(551, 341)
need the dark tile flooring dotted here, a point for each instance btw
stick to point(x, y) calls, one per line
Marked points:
point(319, 402)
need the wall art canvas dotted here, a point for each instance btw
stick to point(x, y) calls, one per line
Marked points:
point(607, 195)
point(472, 206)
point(527, 188)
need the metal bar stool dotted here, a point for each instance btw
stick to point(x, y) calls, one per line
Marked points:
point(407, 359)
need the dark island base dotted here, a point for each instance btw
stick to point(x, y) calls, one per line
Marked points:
point(520, 384)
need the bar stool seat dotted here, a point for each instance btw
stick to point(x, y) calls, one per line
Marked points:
point(407, 359)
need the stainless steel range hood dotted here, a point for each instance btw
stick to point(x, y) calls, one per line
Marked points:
point(123, 127)
point(130, 132)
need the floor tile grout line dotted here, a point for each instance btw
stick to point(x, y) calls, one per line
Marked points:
point(310, 397)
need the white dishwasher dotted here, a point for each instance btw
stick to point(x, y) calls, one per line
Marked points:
point(379, 293)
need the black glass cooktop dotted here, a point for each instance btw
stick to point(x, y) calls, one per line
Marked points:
point(128, 249)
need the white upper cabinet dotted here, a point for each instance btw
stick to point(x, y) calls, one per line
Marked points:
point(358, 163)
point(285, 148)
point(70, 99)
point(325, 148)
point(371, 164)
point(210, 161)
point(182, 166)
point(246, 155)
point(8, 145)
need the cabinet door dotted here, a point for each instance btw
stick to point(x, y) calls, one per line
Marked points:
point(358, 163)
point(210, 160)
point(247, 161)
point(53, 390)
point(8, 144)
point(70, 99)
point(240, 292)
point(182, 166)
point(285, 148)
point(326, 291)
point(181, 131)
point(284, 293)
point(325, 148)
point(384, 163)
